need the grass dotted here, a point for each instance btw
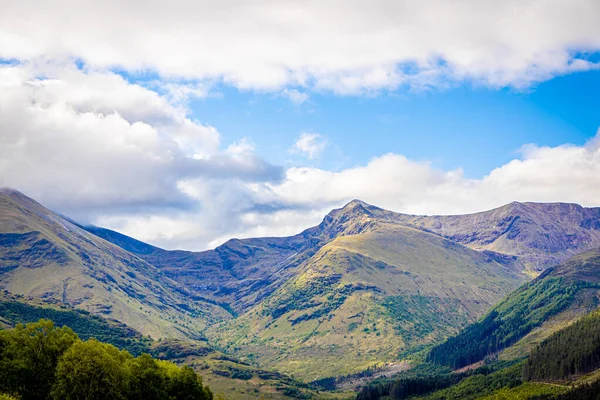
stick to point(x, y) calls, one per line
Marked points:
point(364, 299)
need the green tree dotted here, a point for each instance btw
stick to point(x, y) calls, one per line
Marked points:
point(92, 371)
point(29, 355)
point(184, 383)
point(148, 379)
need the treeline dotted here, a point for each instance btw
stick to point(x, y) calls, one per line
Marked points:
point(427, 378)
point(571, 351)
point(516, 316)
point(406, 387)
point(82, 322)
point(39, 361)
point(588, 391)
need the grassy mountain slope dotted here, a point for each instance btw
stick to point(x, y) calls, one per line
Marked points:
point(45, 256)
point(528, 315)
point(376, 290)
point(539, 235)
point(566, 365)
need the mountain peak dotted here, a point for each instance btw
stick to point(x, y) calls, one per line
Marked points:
point(356, 202)
point(354, 208)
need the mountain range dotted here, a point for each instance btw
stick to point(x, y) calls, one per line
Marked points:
point(364, 289)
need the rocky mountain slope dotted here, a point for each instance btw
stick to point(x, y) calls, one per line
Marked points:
point(45, 256)
point(539, 235)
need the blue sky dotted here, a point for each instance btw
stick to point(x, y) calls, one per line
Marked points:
point(187, 123)
point(471, 127)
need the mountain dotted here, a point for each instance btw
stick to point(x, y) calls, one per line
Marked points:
point(45, 256)
point(377, 289)
point(525, 237)
point(363, 288)
point(369, 284)
point(538, 235)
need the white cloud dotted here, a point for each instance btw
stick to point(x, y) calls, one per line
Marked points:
point(346, 46)
point(244, 146)
point(295, 96)
point(100, 149)
point(565, 173)
point(91, 144)
point(311, 145)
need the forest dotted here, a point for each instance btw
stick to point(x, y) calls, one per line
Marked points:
point(506, 323)
point(572, 351)
point(549, 373)
point(40, 361)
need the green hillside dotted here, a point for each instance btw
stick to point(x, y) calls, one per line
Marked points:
point(528, 315)
point(225, 375)
point(550, 322)
point(365, 298)
point(44, 256)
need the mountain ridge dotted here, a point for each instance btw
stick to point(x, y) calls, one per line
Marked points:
point(363, 286)
point(45, 256)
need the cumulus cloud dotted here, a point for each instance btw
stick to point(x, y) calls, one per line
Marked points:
point(565, 173)
point(89, 143)
point(86, 141)
point(310, 145)
point(345, 46)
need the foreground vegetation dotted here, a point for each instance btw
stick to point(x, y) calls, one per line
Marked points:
point(39, 361)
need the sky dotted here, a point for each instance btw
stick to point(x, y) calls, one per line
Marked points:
point(185, 124)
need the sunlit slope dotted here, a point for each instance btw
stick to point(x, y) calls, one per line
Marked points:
point(45, 256)
point(529, 314)
point(365, 298)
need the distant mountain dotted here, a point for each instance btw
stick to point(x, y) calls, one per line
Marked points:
point(527, 237)
point(45, 256)
point(539, 235)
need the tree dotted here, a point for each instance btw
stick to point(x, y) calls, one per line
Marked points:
point(184, 383)
point(92, 371)
point(148, 379)
point(29, 355)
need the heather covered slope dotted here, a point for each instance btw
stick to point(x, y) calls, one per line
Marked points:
point(379, 288)
point(45, 256)
point(540, 235)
